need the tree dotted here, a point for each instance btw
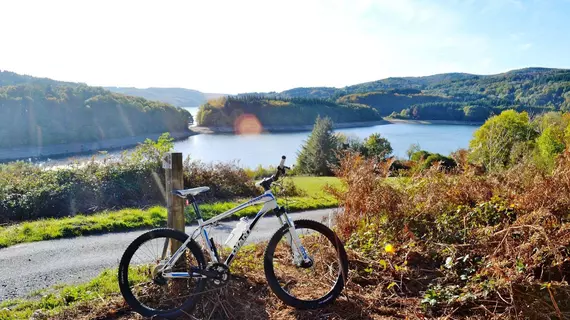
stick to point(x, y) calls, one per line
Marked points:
point(350, 143)
point(475, 113)
point(549, 145)
point(494, 140)
point(317, 155)
point(151, 151)
point(377, 146)
point(414, 147)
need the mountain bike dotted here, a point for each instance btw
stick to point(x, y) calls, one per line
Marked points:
point(164, 272)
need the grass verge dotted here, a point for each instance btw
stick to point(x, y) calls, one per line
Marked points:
point(53, 300)
point(132, 219)
point(247, 296)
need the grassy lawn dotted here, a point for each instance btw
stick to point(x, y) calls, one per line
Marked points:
point(131, 219)
point(314, 185)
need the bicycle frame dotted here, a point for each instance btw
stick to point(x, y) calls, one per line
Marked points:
point(269, 203)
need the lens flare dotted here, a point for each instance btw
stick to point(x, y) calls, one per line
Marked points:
point(247, 124)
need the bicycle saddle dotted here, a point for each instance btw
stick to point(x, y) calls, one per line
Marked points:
point(183, 193)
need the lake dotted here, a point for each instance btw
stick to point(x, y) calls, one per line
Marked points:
point(267, 149)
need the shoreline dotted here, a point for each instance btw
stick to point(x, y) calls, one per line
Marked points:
point(448, 122)
point(294, 128)
point(78, 148)
point(343, 125)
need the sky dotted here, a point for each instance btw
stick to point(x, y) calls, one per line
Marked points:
point(264, 45)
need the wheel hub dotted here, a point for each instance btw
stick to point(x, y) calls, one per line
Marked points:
point(157, 277)
point(306, 264)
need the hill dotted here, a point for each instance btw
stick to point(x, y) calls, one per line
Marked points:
point(387, 102)
point(40, 112)
point(281, 111)
point(8, 78)
point(178, 97)
point(453, 96)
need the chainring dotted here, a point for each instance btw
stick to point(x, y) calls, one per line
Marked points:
point(223, 272)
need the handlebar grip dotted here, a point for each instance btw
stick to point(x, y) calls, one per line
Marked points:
point(282, 163)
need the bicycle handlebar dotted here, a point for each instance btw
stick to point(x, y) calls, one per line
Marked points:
point(266, 183)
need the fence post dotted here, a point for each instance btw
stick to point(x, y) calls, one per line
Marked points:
point(174, 174)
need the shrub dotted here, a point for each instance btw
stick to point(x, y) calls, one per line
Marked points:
point(419, 155)
point(226, 180)
point(444, 162)
point(462, 240)
point(28, 192)
point(260, 172)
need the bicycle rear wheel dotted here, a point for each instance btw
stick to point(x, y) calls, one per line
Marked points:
point(142, 285)
point(309, 286)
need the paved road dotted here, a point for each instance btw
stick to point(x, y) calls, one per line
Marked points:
point(28, 267)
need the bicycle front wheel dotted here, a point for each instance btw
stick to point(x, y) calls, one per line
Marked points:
point(142, 284)
point(306, 286)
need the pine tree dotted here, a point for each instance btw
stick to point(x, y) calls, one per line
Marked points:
point(318, 153)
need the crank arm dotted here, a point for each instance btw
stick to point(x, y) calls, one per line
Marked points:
point(194, 273)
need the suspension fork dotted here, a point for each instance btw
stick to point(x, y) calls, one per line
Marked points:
point(300, 255)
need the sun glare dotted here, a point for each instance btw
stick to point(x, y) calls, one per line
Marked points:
point(247, 124)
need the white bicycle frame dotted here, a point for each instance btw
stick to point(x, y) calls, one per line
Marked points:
point(269, 204)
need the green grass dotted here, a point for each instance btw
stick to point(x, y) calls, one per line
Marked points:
point(53, 300)
point(97, 292)
point(314, 185)
point(131, 219)
point(107, 221)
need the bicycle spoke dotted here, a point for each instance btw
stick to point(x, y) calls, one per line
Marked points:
point(149, 287)
point(307, 283)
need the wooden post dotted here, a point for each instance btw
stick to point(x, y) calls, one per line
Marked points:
point(175, 205)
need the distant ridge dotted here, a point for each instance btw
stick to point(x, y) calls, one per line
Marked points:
point(450, 96)
point(397, 83)
point(40, 112)
point(179, 97)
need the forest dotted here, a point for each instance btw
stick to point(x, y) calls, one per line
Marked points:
point(39, 111)
point(452, 96)
point(281, 111)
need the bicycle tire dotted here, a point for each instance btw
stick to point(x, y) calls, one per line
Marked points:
point(284, 295)
point(130, 298)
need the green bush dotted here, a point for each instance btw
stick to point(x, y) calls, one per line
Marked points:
point(444, 161)
point(28, 192)
point(226, 180)
point(419, 155)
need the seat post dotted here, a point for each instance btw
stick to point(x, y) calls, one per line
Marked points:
point(192, 200)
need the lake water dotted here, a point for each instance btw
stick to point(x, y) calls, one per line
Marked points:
point(267, 149)
point(193, 111)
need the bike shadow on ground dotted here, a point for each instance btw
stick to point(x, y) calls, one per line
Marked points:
point(341, 309)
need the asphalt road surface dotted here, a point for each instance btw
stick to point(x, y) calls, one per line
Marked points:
point(28, 267)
